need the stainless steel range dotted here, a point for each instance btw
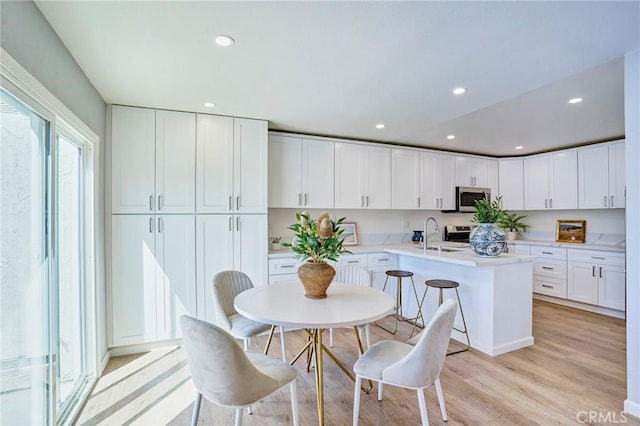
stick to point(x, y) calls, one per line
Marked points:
point(457, 233)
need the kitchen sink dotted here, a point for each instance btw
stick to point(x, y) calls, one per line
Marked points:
point(443, 249)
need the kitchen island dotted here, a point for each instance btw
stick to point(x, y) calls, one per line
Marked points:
point(496, 294)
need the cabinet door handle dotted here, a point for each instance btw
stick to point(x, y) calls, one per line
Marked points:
point(150, 202)
point(550, 203)
point(418, 201)
point(545, 204)
point(548, 268)
point(353, 261)
point(230, 225)
point(159, 202)
point(611, 203)
point(150, 225)
point(237, 202)
point(159, 224)
point(367, 197)
point(384, 259)
point(605, 201)
point(547, 286)
point(440, 202)
point(230, 208)
point(546, 252)
point(299, 199)
point(593, 271)
point(237, 223)
point(598, 257)
point(286, 266)
point(362, 201)
point(600, 272)
point(305, 198)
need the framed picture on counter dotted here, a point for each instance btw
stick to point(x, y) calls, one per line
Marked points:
point(349, 234)
point(571, 231)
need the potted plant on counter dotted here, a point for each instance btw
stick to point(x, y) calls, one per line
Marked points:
point(512, 222)
point(317, 241)
point(488, 239)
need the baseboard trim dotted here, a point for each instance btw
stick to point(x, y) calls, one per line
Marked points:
point(494, 350)
point(104, 362)
point(583, 306)
point(632, 407)
point(143, 347)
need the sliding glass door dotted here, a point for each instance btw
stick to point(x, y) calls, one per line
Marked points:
point(24, 265)
point(46, 280)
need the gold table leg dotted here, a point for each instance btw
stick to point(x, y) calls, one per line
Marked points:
point(315, 348)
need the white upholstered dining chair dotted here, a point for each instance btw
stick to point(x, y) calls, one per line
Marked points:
point(228, 376)
point(226, 286)
point(415, 365)
point(359, 276)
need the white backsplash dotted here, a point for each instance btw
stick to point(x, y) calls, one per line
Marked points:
point(386, 226)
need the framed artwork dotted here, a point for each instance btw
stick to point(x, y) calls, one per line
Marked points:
point(349, 234)
point(571, 231)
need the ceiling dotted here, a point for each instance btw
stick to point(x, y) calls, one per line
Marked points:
point(339, 68)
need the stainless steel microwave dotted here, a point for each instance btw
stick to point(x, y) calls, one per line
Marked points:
point(466, 197)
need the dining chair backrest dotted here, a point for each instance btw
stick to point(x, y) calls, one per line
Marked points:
point(226, 286)
point(220, 369)
point(422, 366)
point(354, 274)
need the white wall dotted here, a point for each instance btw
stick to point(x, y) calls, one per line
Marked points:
point(27, 36)
point(390, 221)
point(632, 135)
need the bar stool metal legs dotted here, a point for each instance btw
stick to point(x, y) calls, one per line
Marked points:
point(398, 309)
point(441, 285)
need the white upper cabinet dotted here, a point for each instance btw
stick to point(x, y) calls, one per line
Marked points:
point(152, 161)
point(405, 179)
point(601, 179)
point(362, 176)
point(551, 181)
point(478, 172)
point(301, 172)
point(437, 177)
point(511, 184)
point(232, 160)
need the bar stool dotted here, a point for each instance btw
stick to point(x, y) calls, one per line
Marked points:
point(398, 315)
point(441, 285)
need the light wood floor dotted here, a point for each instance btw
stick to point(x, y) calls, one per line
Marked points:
point(576, 366)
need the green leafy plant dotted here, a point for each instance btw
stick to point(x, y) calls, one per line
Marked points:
point(318, 240)
point(513, 222)
point(488, 211)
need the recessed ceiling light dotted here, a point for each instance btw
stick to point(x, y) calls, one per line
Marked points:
point(224, 40)
point(459, 90)
point(575, 100)
point(519, 147)
point(451, 137)
point(379, 126)
point(209, 104)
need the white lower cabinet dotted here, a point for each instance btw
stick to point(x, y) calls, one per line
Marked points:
point(550, 271)
point(597, 278)
point(283, 269)
point(228, 242)
point(152, 278)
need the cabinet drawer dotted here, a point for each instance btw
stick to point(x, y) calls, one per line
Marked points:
point(596, 257)
point(287, 265)
point(284, 278)
point(382, 260)
point(550, 286)
point(558, 253)
point(550, 268)
point(353, 259)
point(521, 249)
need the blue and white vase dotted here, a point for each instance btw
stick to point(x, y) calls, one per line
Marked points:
point(488, 239)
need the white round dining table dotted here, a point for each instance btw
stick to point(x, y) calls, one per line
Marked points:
point(284, 304)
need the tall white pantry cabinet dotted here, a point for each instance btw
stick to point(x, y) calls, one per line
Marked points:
point(170, 173)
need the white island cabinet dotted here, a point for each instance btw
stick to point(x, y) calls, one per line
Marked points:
point(495, 294)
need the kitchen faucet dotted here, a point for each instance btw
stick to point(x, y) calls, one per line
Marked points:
point(437, 229)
